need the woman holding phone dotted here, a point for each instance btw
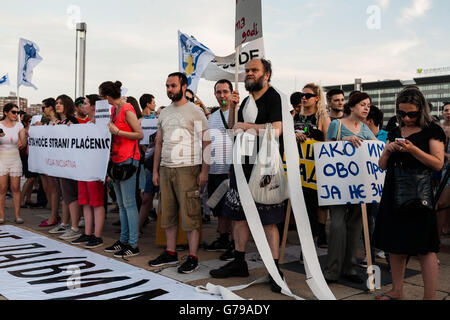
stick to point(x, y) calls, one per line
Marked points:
point(417, 145)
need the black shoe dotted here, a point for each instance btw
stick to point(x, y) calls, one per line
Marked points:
point(83, 239)
point(232, 269)
point(164, 259)
point(115, 247)
point(273, 285)
point(127, 251)
point(153, 215)
point(94, 242)
point(353, 278)
point(218, 245)
point(228, 255)
point(189, 266)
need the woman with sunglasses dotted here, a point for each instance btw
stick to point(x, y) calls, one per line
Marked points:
point(312, 124)
point(50, 184)
point(417, 144)
point(10, 164)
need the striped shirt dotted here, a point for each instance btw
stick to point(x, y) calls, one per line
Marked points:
point(221, 144)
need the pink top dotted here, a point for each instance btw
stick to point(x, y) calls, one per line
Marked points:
point(122, 148)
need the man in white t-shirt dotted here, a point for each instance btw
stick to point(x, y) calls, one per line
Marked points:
point(180, 169)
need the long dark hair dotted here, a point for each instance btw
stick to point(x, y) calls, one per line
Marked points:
point(69, 106)
point(135, 104)
point(7, 108)
point(416, 98)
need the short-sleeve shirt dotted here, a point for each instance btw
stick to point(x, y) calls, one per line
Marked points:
point(269, 111)
point(9, 141)
point(365, 133)
point(182, 128)
point(221, 143)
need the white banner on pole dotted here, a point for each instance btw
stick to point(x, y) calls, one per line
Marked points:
point(225, 67)
point(248, 21)
point(34, 267)
point(348, 175)
point(79, 152)
point(149, 127)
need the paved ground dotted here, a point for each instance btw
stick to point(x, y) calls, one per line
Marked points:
point(209, 260)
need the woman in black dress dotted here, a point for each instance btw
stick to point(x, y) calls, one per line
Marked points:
point(413, 233)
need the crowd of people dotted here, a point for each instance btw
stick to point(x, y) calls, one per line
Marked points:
point(191, 155)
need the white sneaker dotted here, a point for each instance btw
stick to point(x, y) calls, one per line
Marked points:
point(61, 228)
point(81, 223)
point(70, 234)
point(381, 255)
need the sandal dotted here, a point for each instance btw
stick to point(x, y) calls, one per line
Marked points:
point(384, 295)
point(19, 221)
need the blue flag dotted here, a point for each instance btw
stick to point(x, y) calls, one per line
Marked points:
point(28, 59)
point(194, 57)
point(4, 80)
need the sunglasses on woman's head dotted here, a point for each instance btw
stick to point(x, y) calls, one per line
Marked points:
point(308, 95)
point(412, 115)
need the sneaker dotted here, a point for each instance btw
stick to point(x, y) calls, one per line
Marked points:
point(362, 263)
point(164, 259)
point(62, 228)
point(82, 240)
point(94, 242)
point(273, 285)
point(189, 266)
point(70, 234)
point(228, 255)
point(381, 255)
point(115, 247)
point(81, 223)
point(218, 246)
point(232, 269)
point(127, 251)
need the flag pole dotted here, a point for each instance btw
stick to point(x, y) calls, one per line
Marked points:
point(236, 79)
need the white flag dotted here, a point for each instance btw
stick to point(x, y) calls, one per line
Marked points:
point(4, 80)
point(28, 59)
point(194, 57)
point(224, 67)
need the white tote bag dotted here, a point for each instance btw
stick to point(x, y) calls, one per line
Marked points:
point(268, 183)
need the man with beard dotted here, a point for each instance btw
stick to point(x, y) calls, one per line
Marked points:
point(181, 170)
point(269, 110)
point(336, 100)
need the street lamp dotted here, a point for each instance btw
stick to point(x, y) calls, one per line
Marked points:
point(80, 59)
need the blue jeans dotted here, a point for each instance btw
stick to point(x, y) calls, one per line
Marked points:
point(129, 215)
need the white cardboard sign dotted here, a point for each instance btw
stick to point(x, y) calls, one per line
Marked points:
point(248, 21)
point(348, 175)
point(149, 127)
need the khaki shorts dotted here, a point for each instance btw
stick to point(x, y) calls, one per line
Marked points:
point(180, 193)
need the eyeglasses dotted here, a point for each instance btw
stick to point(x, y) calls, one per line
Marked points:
point(308, 95)
point(412, 115)
point(15, 112)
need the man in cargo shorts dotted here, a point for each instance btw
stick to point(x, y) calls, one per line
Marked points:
point(181, 170)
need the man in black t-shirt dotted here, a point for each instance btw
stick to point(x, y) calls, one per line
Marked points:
point(269, 110)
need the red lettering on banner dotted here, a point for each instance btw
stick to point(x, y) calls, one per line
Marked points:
point(250, 33)
point(61, 163)
point(240, 24)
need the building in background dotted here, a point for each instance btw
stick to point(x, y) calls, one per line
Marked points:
point(13, 99)
point(384, 93)
point(34, 109)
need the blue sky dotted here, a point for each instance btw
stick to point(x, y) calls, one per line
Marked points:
point(135, 41)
